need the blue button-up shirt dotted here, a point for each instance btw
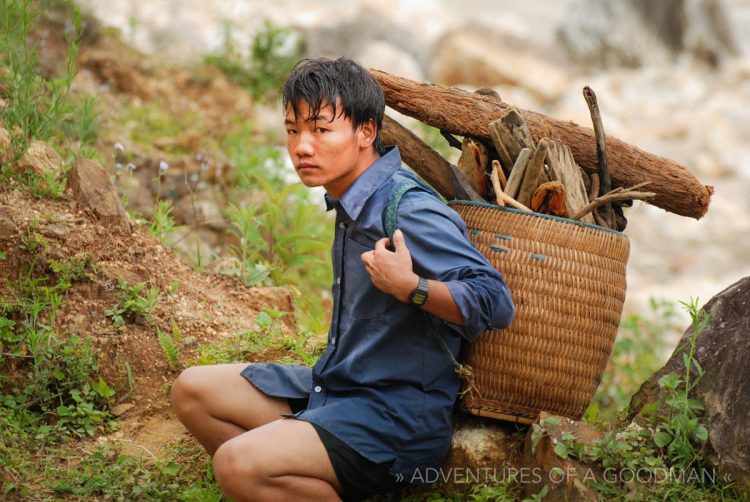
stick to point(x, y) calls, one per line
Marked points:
point(384, 385)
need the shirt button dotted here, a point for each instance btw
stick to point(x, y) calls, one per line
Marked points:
point(342, 225)
point(318, 388)
point(338, 280)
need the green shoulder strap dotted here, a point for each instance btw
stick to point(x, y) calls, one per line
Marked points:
point(390, 221)
point(390, 218)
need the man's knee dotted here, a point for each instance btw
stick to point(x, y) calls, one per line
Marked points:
point(187, 390)
point(235, 465)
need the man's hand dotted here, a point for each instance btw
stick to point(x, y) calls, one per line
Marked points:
point(391, 271)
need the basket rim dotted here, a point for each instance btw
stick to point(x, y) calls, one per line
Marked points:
point(538, 215)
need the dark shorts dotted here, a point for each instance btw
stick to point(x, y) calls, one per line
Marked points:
point(359, 477)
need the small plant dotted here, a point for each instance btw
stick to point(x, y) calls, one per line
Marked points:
point(136, 304)
point(638, 353)
point(162, 224)
point(168, 343)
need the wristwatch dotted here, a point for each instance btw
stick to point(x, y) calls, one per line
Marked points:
point(418, 297)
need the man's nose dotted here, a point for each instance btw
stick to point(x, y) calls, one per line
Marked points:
point(304, 146)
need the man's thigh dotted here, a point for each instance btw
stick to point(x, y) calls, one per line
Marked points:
point(284, 447)
point(227, 395)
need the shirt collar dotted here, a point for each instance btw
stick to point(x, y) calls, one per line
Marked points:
point(364, 186)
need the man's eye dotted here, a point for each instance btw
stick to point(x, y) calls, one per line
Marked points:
point(321, 129)
point(291, 132)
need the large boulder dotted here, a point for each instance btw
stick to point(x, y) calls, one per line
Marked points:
point(722, 349)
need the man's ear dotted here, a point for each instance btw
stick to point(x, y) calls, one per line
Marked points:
point(367, 134)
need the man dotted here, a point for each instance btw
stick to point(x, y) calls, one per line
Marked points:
point(377, 407)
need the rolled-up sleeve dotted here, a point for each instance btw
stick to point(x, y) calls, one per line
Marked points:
point(440, 249)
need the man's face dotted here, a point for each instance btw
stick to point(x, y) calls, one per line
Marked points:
point(325, 150)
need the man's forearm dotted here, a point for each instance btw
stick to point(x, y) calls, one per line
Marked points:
point(440, 302)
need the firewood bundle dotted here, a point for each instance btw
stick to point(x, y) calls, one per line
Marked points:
point(531, 162)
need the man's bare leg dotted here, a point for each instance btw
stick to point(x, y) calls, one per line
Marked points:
point(283, 460)
point(216, 404)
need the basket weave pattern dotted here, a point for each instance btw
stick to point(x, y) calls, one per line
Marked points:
point(567, 280)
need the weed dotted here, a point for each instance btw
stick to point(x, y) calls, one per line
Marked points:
point(273, 53)
point(638, 352)
point(162, 223)
point(670, 445)
point(112, 475)
point(168, 343)
point(281, 241)
point(136, 304)
point(52, 385)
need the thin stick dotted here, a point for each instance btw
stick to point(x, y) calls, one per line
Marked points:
point(513, 202)
point(601, 152)
point(594, 191)
point(496, 183)
point(617, 194)
point(500, 174)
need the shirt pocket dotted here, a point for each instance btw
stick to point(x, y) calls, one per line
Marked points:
point(359, 297)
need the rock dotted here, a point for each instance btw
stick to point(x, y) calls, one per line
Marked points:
point(204, 208)
point(646, 32)
point(6, 145)
point(54, 230)
point(566, 478)
point(189, 341)
point(92, 190)
point(481, 444)
point(120, 409)
point(722, 349)
point(474, 55)
point(116, 273)
point(8, 225)
point(40, 158)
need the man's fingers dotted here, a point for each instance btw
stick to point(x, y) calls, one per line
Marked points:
point(381, 244)
point(398, 241)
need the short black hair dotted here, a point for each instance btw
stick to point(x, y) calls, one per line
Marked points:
point(322, 81)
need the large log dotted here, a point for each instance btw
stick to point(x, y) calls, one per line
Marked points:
point(426, 162)
point(460, 112)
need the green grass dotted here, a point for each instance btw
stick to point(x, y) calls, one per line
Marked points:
point(39, 108)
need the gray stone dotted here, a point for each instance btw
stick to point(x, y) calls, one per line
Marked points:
point(723, 350)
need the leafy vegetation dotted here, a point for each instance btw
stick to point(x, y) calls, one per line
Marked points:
point(273, 52)
point(638, 352)
point(137, 302)
point(38, 108)
point(666, 451)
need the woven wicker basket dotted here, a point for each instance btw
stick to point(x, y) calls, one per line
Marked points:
point(567, 280)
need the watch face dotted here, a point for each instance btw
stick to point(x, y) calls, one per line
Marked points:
point(418, 298)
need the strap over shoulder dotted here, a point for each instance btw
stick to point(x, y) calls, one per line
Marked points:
point(390, 217)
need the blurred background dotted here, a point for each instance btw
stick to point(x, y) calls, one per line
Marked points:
point(672, 77)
